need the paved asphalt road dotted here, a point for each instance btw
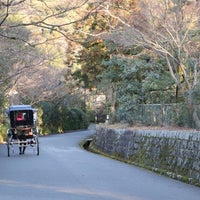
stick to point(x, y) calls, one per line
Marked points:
point(63, 171)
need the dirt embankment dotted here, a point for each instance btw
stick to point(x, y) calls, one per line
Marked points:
point(142, 127)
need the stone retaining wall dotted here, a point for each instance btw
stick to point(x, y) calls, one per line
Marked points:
point(172, 153)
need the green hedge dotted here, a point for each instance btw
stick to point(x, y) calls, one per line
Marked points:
point(59, 118)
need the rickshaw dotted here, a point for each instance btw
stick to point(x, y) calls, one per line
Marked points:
point(23, 131)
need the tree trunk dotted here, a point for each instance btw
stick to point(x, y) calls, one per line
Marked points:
point(196, 118)
point(193, 109)
point(114, 97)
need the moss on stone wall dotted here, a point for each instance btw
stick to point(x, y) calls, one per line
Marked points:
point(174, 154)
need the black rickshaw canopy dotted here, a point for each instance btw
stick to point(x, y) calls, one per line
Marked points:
point(21, 115)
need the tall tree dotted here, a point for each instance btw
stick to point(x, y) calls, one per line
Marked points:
point(170, 29)
point(34, 36)
point(167, 29)
point(97, 47)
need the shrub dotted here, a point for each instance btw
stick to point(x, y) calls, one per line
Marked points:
point(59, 118)
point(3, 132)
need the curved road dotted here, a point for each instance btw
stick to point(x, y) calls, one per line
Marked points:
point(63, 171)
